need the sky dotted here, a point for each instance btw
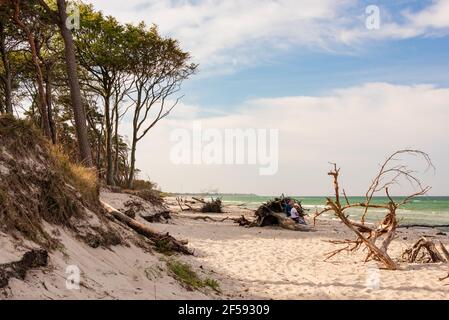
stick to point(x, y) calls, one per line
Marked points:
point(345, 81)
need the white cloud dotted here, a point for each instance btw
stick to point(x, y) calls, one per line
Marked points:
point(224, 35)
point(436, 16)
point(432, 20)
point(356, 127)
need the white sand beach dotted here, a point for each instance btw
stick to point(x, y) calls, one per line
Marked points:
point(248, 263)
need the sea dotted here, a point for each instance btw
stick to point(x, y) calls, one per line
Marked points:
point(420, 211)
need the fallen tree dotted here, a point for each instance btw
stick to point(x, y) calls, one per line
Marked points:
point(157, 238)
point(389, 174)
point(272, 214)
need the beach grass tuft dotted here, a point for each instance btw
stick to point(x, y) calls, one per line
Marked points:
point(188, 277)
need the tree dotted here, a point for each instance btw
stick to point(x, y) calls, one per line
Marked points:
point(159, 67)
point(102, 52)
point(24, 15)
point(6, 76)
point(61, 18)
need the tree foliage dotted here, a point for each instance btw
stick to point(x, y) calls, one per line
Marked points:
point(117, 72)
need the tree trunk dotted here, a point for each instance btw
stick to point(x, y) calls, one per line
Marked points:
point(108, 132)
point(116, 142)
point(75, 91)
point(39, 77)
point(8, 76)
point(132, 168)
point(48, 98)
point(171, 243)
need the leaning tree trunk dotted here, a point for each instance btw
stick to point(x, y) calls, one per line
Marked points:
point(75, 91)
point(39, 77)
point(108, 131)
point(48, 98)
point(8, 76)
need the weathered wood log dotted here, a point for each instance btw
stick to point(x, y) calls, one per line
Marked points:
point(30, 260)
point(172, 243)
point(199, 200)
point(207, 218)
point(242, 221)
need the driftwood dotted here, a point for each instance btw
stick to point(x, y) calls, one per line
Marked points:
point(207, 218)
point(272, 214)
point(30, 260)
point(390, 173)
point(181, 202)
point(242, 221)
point(425, 251)
point(428, 250)
point(159, 217)
point(446, 255)
point(199, 200)
point(429, 226)
point(156, 237)
point(213, 206)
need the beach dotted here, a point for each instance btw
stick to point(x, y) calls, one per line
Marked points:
point(248, 263)
point(273, 263)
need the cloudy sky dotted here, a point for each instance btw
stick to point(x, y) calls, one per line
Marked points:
point(338, 88)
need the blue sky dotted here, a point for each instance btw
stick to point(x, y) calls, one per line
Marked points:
point(316, 62)
point(411, 61)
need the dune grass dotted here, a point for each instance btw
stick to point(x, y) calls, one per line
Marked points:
point(186, 276)
point(83, 179)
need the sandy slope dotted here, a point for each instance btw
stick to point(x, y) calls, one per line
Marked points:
point(257, 263)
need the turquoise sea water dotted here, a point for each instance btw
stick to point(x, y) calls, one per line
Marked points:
point(422, 210)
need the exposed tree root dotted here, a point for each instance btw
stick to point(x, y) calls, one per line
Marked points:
point(30, 260)
point(423, 251)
